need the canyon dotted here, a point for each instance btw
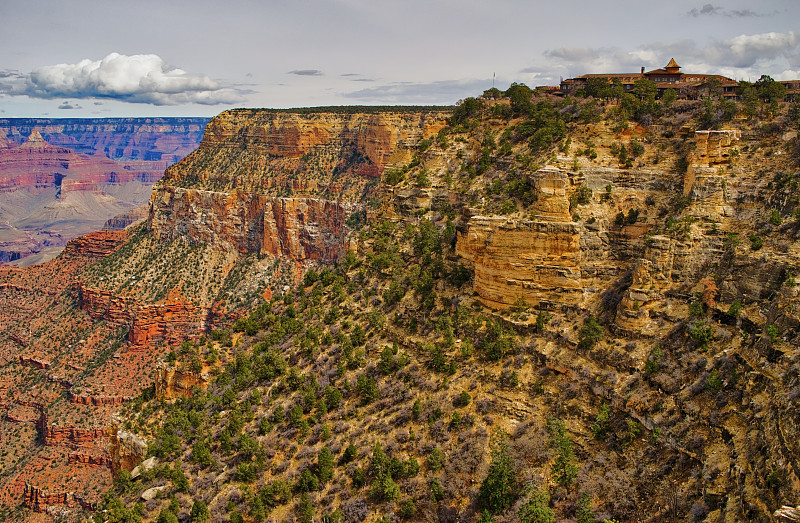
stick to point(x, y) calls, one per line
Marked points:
point(646, 307)
point(63, 178)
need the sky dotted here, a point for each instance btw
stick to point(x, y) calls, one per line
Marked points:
point(107, 58)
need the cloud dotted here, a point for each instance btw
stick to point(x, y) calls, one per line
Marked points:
point(10, 73)
point(136, 78)
point(440, 92)
point(306, 72)
point(68, 105)
point(713, 10)
point(760, 51)
point(707, 9)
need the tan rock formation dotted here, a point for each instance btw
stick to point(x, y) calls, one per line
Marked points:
point(519, 258)
point(535, 260)
point(172, 383)
point(705, 179)
point(552, 186)
point(126, 449)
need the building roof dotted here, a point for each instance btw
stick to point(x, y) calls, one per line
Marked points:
point(672, 64)
point(662, 71)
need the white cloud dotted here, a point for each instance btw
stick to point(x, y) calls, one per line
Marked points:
point(137, 78)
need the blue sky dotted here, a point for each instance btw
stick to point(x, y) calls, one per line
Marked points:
point(87, 58)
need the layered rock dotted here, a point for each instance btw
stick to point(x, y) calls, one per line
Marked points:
point(516, 259)
point(534, 260)
point(126, 450)
point(54, 435)
point(326, 153)
point(705, 179)
point(95, 244)
point(169, 320)
point(53, 194)
point(39, 499)
point(148, 139)
point(172, 382)
point(296, 228)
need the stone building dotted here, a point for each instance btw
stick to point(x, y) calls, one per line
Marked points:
point(687, 85)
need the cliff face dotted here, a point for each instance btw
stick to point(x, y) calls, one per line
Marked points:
point(531, 260)
point(296, 228)
point(332, 155)
point(171, 382)
point(229, 191)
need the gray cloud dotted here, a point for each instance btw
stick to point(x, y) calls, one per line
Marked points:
point(68, 105)
point(306, 72)
point(136, 78)
point(743, 51)
point(707, 9)
point(10, 73)
point(713, 10)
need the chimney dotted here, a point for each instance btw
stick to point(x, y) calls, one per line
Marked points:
point(642, 69)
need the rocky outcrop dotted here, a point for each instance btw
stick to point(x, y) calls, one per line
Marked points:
point(102, 304)
point(38, 499)
point(31, 361)
point(121, 221)
point(330, 154)
point(172, 382)
point(536, 260)
point(54, 435)
point(170, 320)
point(705, 179)
point(126, 449)
point(516, 259)
point(296, 228)
point(95, 244)
point(98, 401)
point(89, 459)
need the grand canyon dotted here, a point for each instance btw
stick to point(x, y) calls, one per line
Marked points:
point(525, 307)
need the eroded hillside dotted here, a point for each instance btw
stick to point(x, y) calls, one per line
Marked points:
point(528, 308)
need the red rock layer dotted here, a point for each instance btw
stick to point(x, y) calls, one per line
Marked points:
point(171, 320)
point(38, 499)
point(95, 244)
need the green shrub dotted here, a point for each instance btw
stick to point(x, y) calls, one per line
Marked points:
point(590, 334)
point(435, 460)
point(498, 491)
point(537, 508)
